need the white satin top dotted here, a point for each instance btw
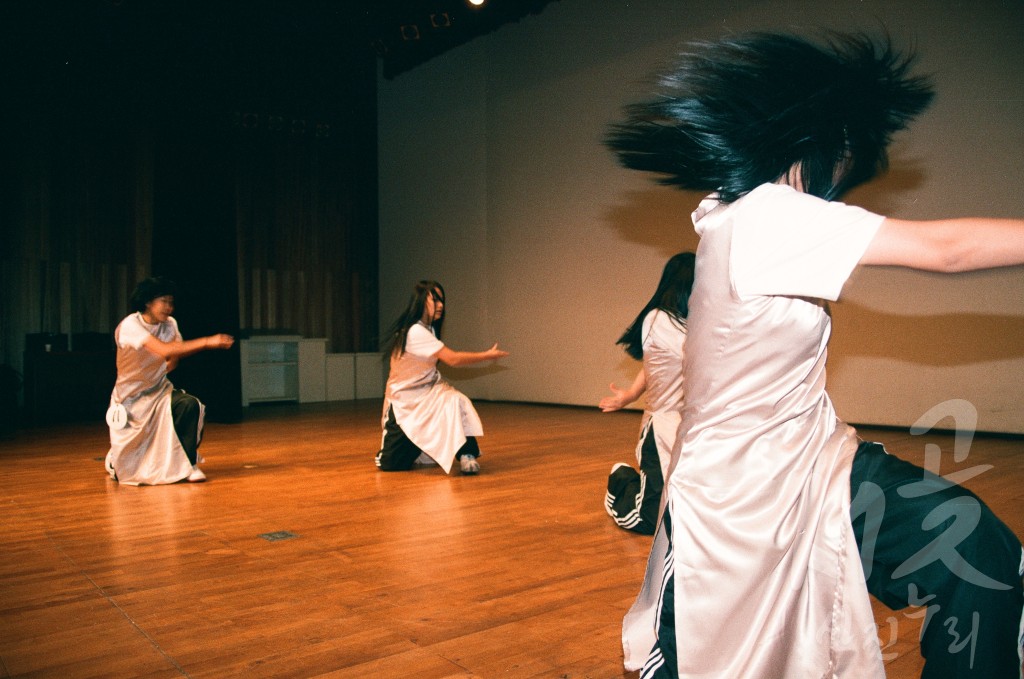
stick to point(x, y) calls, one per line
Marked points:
point(663, 340)
point(147, 451)
point(768, 581)
point(435, 416)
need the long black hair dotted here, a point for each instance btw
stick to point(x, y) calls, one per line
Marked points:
point(413, 314)
point(740, 112)
point(672, 297)
point(149, 289)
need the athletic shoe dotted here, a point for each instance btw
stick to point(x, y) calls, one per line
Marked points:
point(469, 465)
point(619, 478)
point(196, 476)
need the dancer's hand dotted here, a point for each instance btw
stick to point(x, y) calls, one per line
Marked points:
point(615, 402)
point(220, 341)
point(495, 352)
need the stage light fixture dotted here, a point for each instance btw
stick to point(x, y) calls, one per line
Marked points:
point(441, 20)
point(410, 32)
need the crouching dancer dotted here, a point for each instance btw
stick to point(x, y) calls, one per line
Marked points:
point(424, 417)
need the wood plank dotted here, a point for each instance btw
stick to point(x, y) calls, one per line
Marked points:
point(514, 573)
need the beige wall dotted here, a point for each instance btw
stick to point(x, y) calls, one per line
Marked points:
point(494, 180)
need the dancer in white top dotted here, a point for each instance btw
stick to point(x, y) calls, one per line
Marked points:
point(424, 416)
point(755, 571)
point(155, 429)
point(656, 337)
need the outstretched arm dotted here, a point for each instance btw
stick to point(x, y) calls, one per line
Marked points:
point(172, 351)
point(947, 245)
point(623, 397)
point(457, 358)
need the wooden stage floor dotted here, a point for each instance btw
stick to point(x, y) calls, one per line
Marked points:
point(299, 559)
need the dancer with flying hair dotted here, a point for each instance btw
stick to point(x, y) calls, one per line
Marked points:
point(755, 571)
point(656, 337)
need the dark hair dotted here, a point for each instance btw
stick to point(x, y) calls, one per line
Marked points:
point(740, 112)
point(412, 315)
point(672, 297)
point(149, 289)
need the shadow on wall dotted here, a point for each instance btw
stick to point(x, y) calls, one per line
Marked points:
point(660, 216)
point(942, 340)
point(657, 217)
point(883, 195)
point(471, 372)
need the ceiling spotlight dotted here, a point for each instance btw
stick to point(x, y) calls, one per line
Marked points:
point(476, 3)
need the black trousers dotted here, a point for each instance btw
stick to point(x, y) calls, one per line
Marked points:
point(633, 498)
point(925, 542)
point(185, 410)
point(398, 454)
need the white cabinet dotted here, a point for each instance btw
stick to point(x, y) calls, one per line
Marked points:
point(283, 368)
point(371, 375)
point(312, 370)
point(341, 377)
point(293, 368)
point(355, 376)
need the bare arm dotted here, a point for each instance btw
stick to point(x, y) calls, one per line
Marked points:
point(621, 398)
point(947, 245)
point(457, 358)
point(172, 351)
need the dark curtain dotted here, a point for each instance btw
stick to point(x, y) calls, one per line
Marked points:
point(194, 245)
point(307, 228)
point(238, 158)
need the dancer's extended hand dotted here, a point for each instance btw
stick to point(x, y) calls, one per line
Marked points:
point(615, 402)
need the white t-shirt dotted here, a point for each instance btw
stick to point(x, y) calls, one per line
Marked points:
point(420, 341)
point(663, 339)
point(768, 577)
point(134, 330)
point(433, 414)
point(807, 247)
